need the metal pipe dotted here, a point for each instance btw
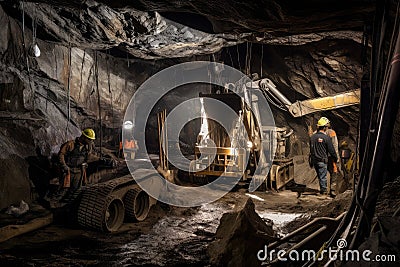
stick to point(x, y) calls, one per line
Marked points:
point(304, 227)
point(308, 238)
point(304, 241)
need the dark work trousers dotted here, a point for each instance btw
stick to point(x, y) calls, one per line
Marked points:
point(322, 170)
point(76, 181)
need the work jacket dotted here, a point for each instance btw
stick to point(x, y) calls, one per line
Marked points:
point(332, 134)
point(73, 153)
point(321, 147)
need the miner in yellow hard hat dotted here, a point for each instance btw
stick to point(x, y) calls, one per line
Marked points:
point(323, 121)
point(73, 156)
point(333, 165)
point(89, 133)
point(321, 148)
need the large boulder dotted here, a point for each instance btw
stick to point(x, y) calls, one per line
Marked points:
point(240, 235)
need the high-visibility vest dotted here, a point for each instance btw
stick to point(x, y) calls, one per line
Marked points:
point(129, 144)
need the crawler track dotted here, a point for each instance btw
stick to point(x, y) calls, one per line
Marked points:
point(103, 206)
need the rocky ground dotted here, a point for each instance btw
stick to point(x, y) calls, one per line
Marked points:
point(170, 236)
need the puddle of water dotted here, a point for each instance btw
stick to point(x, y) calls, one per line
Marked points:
point(176, 239)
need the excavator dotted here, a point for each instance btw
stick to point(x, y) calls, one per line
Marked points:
point(229, 160)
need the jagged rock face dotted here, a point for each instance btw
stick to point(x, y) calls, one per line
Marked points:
point(277, 17)
point(141, 34)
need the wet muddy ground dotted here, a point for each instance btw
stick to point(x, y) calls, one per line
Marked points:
point(170, 236)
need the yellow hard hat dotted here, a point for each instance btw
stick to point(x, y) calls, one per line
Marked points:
point(89, 133)
point(323, 122)
point(344, 144)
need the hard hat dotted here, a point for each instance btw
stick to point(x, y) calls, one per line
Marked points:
point(344, 144)
point(89, 133)
point(323, 122)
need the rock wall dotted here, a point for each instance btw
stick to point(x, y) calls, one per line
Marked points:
point(14, 175)
point(34, 102)
point(34, 96)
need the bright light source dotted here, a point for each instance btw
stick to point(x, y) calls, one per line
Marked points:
point(249, 144)
point(128, 125)
point(34, 50)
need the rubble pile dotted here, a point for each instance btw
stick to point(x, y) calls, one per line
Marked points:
point(239, 236)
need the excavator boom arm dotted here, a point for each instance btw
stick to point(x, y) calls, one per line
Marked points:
point(301, 108)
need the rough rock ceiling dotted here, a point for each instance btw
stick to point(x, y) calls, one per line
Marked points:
point(301, 16)
point(157, 29)
point(275, 17)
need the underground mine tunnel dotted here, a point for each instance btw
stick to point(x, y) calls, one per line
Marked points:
point(199, 133)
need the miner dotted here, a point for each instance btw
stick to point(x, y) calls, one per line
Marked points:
point(73, 156)
point(321, 148)
point(332, 163)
